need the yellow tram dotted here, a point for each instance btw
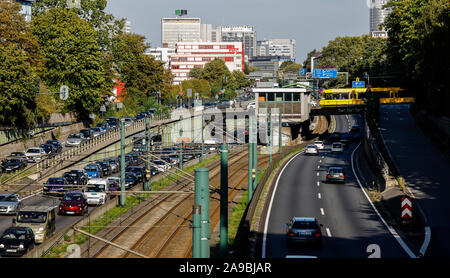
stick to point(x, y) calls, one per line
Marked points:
point(352, 96)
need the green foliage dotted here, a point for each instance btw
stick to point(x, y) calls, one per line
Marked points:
point(73, 57)
point(200, 86)
point(291, 67)
point(418, 46)
point(18, 87)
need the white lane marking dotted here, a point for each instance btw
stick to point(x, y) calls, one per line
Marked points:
point(318, 166)
point(323, 157)
point(322, 212)
point(317, 173)
point(266, 224)
point(393, 232)
point(328, 232)
point(320, 161)
point(424, 247)
point(320, 196)
point(318, 183)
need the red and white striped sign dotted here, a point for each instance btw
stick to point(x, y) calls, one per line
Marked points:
point(406, 208)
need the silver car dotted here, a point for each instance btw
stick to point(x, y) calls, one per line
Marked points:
point(312, 150)
point(74, 140)
point(35, 154)
point(9, 203)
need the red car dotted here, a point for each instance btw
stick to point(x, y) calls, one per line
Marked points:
point(73, 203)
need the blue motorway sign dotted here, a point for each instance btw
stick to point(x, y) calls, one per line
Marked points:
point(302, 71)
point(324, 73)
point(358, 84)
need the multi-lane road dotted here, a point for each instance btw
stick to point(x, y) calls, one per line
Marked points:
point(350, 226)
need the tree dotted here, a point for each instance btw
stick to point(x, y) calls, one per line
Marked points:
point(292, 67)
point(195, 73)
point(73, 57)
point(19, 86)
point(241, 79)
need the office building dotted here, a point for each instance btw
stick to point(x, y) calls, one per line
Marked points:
point(377, 16)
point(244, 34)
point(26, 8)
point(191, 55)
point(276, 47)
point(180, 29)
point(162, 54)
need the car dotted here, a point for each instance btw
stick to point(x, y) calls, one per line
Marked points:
point(335, 174)
point(138, 170)
point(57, 144)
point(75, 140)
point(35, 154)
point(9, 203)
point(160, 165)
point(105, 167)
point(12, 164)
point(88, 134)
point(251, 105)
point(115, 164)
point(127, 121)
point(97, 131)
point(16, 241)
point(345, 143)
point(17, 155)
point(355, 129)
point(303, 230)
point(312, 150)
point(93, 170)
point(49, 149)
point(55, 186)
point(75, 178)
point(73, 203)
point(103, 126)
point(337, 148)
point(113, 122)
point(83, 175)
point(320, 145)
point(114, 185)
point(335, 137)
point(132, 159)
point(140, 116)
point(130, 180)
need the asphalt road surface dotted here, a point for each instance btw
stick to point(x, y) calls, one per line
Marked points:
point(425, 170)
point(350, 226)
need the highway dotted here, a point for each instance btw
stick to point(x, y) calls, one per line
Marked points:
point(425, 170)
point(350, 225)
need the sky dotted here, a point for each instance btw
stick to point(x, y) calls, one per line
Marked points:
point(312, 23)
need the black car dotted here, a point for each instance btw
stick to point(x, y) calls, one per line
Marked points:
point(303, 230)
point(132, 159)
point(18, 155)
point(106, 168)
point(83, 177)
point(141, 115)
point(55, 186)
point(130, 179)
point(87, 133)
point(49, 149)
point(114, 163)
point(138, 170)
point(57, 144)
point(113, 122)
point(12, 164)
point(74, 178)
point(16, 241)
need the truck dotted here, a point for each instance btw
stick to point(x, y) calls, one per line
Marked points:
point(41, 219)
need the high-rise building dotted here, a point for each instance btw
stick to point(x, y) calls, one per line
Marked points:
point(377, 16)
point(26, 8)
point(206, 32)
point(244, 34)
point(127, 26)
point(277, 47)
point(180, 29)
point(162, 54)
point(191, 55)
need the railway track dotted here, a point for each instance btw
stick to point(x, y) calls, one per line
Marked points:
point(167, 222)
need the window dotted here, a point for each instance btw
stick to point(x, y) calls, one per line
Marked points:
point(296, 97)
point(175, 67)
point(229, 59)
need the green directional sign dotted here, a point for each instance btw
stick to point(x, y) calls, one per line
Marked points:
point(64, 92)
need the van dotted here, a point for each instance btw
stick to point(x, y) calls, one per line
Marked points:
point(41, 219)
point(95, 193)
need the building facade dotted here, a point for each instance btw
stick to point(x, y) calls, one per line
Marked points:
point(26, 8)
point(180, 29)
point(162, 54)
point(189, 55)
point(244, 34)
point(277, 47)
point(377, 16)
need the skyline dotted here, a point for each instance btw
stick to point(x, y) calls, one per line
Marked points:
point(289, 19)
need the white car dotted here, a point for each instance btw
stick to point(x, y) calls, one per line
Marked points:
point(95, 193)
point(337, 148)
point(35, 154)
point(251, 105)
point(319, 145)
point(312, 150)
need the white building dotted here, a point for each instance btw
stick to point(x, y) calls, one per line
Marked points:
point(198, 54)
point(26, 8)
point(277, 47)
point(127, 26)
point(162, 54)
point(180, 29)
